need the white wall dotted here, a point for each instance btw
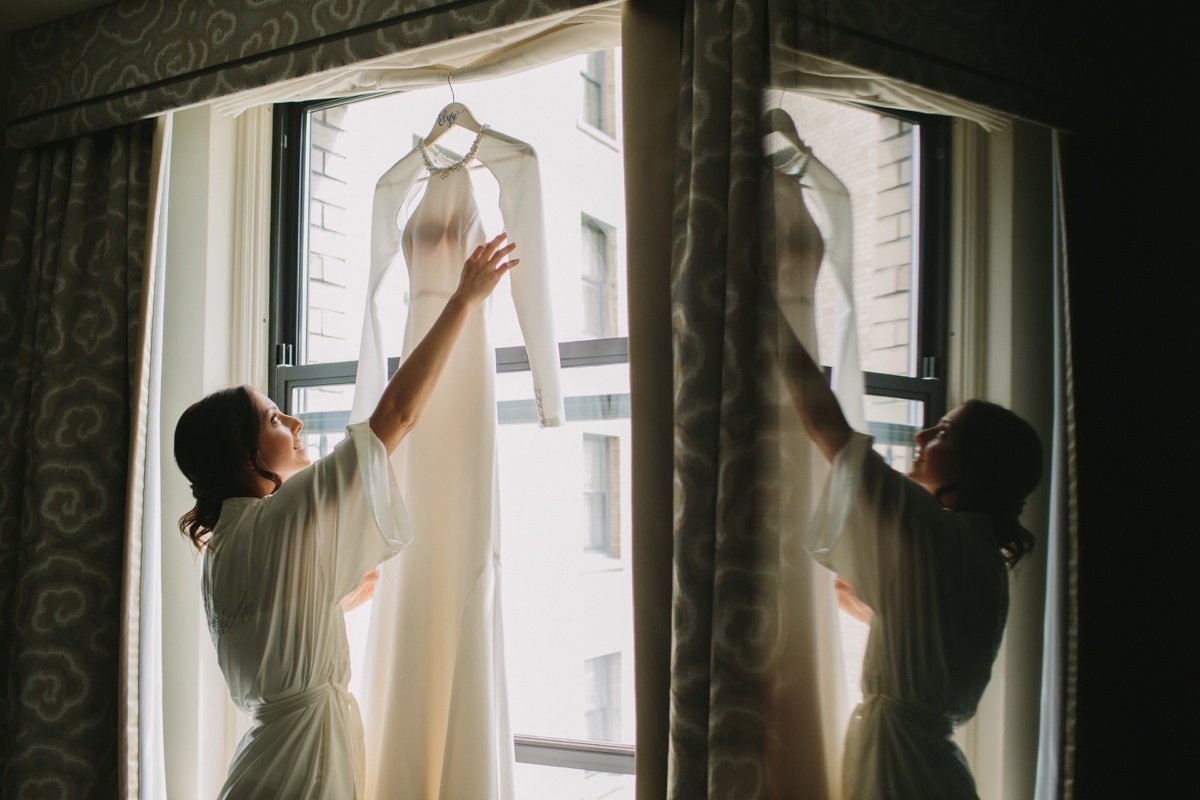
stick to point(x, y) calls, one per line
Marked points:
point(196, 332)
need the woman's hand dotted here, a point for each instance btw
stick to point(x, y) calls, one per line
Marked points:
point(483, 270)
point(814, 400)
point(848, 601)
point(408, 392)
point(364, 592)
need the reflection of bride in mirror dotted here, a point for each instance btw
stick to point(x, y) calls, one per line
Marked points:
point(925, 558)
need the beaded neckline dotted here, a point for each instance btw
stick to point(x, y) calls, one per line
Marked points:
point(449, 169)
point(796, 165)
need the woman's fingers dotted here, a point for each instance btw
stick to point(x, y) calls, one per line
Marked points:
point(490, 248)
point(496, 258)
point(485, 267)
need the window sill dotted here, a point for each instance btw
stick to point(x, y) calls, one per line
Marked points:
point(599, 135)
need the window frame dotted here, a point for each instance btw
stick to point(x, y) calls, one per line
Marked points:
point(286, 373)
point(932, 284)
point(287, 299)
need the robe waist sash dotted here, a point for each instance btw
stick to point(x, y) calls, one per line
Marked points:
point(918, 714)
point(275, 710)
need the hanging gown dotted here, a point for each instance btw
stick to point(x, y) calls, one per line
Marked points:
point(938, 586)
point(272, 583)
point(808, 710)
point(434, 691)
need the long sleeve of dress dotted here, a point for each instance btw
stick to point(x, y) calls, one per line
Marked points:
point(515, 166)
point(833, 198)
point(390, 193)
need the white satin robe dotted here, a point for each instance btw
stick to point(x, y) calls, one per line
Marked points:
point(272, 584)
point(938, 585)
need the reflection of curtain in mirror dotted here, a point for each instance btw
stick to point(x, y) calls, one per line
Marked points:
point(808, 707)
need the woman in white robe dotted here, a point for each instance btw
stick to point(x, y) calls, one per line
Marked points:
point(285, 541)
point(928, 556)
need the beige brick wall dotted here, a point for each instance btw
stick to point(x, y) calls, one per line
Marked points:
point(327, 245)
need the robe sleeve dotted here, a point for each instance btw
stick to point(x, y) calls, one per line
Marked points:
point(871, 517)
point(349, 509)
point(515, 166)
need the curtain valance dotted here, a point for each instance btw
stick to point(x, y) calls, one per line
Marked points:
point(486, 55)
point(1000, 56)
point(830, 80)
point(136, 58)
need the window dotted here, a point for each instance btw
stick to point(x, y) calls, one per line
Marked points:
point(560, 490)
point(599, 93)
point(896, 170)
point(602, 677)
point(601, 494)
point(598, 280)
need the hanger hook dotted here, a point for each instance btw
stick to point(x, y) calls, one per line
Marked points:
point(453, 99)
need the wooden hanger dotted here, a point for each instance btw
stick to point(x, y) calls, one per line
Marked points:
point(454, 114)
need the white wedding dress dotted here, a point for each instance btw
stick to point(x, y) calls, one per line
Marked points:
point(808, 690)
point(434, 695)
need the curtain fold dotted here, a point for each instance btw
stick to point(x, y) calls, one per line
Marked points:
point(650, 42)
point(71, 303)
point(140, 722)
point(721, 642)
point(1056, 740)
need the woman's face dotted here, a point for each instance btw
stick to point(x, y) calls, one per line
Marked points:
point(936, 462)
point(280, 447)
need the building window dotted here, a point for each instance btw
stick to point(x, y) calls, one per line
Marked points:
point(601, 494)
point(598, 279)
point(602, 680)
point(599, 94)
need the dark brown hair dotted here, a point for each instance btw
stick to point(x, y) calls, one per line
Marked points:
point(1000, 464)
point(214, 439)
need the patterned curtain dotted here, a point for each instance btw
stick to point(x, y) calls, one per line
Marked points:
point(70, 307)
point(132, 59)
point(721, 638)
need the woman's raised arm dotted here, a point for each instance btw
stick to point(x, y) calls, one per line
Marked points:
point(409, 390)
point(818, 406)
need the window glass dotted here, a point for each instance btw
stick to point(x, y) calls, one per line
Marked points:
point(566, 592)
point(564, 510)
point(876, 156)
point(565, 602)
point(599, 92)
point(599, 281)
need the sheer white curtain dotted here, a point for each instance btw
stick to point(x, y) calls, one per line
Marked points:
point(478, 56)
point(1055, 735)
point(141, 745)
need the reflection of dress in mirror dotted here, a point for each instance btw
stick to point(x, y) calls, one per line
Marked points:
point(808, 705)
point(434, 694)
